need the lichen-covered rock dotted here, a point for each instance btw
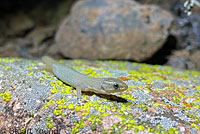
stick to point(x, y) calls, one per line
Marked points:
point(159, 99)
point(113, 29)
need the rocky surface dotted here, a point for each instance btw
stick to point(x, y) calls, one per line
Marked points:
point(159, 99)
point(174, 6)
point(27, 30)
point(188, 32)
point(35, 44)
point(188, 36)
point(185, 60)
point(12, 25)
point(113, 29)
point(27, 27)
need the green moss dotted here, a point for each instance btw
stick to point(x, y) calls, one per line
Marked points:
point(48, 119)
point(32, 115)
point(136, 130)
point(93, 127)
point(150, 130)
point(82, 125)
point(128, 126)
point(104, 131)
point(74, 130)
point(49, 125)
point(63, 114)
point(23, 130)
point(99, 122)
point(60, 107)
point(171, 131)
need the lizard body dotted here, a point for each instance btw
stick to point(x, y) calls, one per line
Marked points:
point(82, 82)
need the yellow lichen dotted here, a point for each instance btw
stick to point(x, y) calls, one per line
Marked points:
point(70, 106)
point(5, 96)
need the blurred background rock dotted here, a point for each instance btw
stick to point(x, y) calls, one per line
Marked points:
point(148, 31)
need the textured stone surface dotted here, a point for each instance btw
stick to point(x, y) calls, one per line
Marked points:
point(184, 59)
point(159, 99)
point(15, 24)
point(39, 34)
point(113, 29)
point(180, 59)
point(188, 33)
point(195, 58)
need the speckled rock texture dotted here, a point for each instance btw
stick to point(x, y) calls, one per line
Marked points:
point(159, 99)
point(188, 35)
point(184, 59)
point(113, 29)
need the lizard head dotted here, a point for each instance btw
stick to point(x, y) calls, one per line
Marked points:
point(112, 85)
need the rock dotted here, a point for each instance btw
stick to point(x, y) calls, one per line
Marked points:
point(10, 53)
point(18, 24)
point(188, 32)
point(50, 12)
point(174, 6)
point(40, 34)
point(2, 40)
point(35, 44)
point(110, 29)
point(181, 59)
point(15, 47)
point(168, 5)
point(184, 59)
point(195, 58)
point(53, 51)
point(160, 99)
point(41, 39)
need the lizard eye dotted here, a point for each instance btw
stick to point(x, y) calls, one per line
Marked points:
point(116, 86)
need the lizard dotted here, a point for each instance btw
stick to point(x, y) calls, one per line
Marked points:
point(82, 82)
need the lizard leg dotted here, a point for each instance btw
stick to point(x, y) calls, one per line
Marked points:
point(78, 90)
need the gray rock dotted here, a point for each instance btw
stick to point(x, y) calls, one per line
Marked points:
point(14, 47)
point(34, 100)
point(185, 59)
point(195, 58)
point(180, 59)
point(39, 34)
point(18, 24)
point(113, 29)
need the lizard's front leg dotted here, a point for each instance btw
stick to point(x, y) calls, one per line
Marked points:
point(78, 90)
